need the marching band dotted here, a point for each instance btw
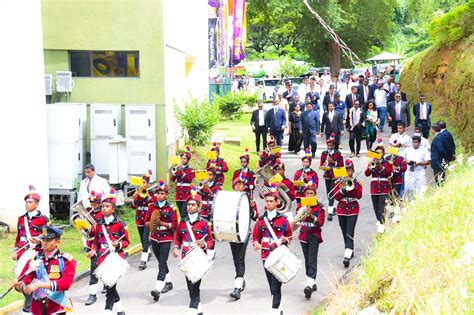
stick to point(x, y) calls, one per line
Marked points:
point(204, 213)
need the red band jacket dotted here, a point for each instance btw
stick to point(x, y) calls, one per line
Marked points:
point(338, 162)
point(348, 204)
point(115, 229)
point(310, 226)
point(221, 167)
point(34, 225)
point(380, 174)
point(183, 177)
point(263, 236)
point(201, 229)
point(249, 178)
point(141, 206)
point(167, 214)
point(311, 175)
point(399, 167)
point(207, 196)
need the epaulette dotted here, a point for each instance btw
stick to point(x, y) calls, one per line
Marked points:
point(68, 256)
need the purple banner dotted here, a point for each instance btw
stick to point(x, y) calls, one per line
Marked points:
point(237, 45)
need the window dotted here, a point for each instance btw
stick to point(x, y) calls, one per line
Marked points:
point(104, 63)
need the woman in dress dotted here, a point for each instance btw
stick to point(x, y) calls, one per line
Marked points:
point(296, 130)
point(371, 121)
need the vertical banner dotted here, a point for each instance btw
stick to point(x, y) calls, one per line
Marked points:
point(212, 41)
point(237, 44)
point(222, 55)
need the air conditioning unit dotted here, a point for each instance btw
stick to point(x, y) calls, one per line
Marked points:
point(48, 84)
point(64, 81)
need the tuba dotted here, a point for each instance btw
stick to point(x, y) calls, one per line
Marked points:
point(82, 220)
point(263, 175)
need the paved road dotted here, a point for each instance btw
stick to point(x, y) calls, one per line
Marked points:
point(135, 287)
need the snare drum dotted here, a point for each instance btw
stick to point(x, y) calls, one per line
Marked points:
point(112, 269)
point(195, 264)
point(283, 264)
point(231, 216)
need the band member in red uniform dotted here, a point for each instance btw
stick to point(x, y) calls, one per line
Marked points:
point(286, 184)
point(111, 236)
point(380, 170)
point(141, 202)
point(208, 190)
point(245, 172)
point(162, 237)
point(29, 229)
point(54, 271)
point(183, 175)
point(263, 240)
point(399, 167)
point(310, 237)
point(218, 164)
point(184, 241)
point(267, 156)
point(239, 249)
point(331, 158)
point(95, 200)
point(348, 210)
point(306, 174)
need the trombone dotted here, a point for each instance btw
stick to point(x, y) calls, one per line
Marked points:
point(346, 183)
point(143, 192)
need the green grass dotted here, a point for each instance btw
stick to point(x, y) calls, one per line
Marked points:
point(70, 242)
point(425, 263)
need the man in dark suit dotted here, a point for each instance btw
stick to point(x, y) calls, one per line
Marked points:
point(365, 91)
point(351, 98)
point(391, 96)
point(398, 111)
point(310, 123)
point(439, 157)
point(332, 123)
point(329, 97)
point(422, 112)
point(448, 141)
point(276, 122)
point(259, 126)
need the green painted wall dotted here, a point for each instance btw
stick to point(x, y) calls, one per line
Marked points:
point(110, 25)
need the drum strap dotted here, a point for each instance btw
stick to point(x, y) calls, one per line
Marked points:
point(270, 229)
point(190, 231)
point(107, 238)
point(27, 228)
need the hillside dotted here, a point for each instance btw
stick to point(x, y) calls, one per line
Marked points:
point(422, 265)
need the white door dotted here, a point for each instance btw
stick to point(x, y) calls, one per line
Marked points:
point(140, 122)
point(100, 155)
point(105, 120)
point(141, 156)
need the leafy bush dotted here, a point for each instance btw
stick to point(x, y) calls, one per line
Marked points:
point(198, 118)
point(230, 105)
point(454, 25)
point(289, 68)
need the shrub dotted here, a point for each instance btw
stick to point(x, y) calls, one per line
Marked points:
point(230, 105)
point(289, 68)
point(198, 118)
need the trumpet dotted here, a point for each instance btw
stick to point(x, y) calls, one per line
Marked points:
point(372, 164)
point(82, 220)
point(345, 183)
point(300, 216)
point(174, 169)
point(201, 184)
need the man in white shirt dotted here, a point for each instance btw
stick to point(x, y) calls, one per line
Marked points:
point(380, 96)
point(424, 142)
point(418, 158)
point(400, 139)
point(92, 182)
point(303, 88)
point(346, 86)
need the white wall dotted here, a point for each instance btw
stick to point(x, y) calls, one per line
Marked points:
point(23, 134)
point(185, 33)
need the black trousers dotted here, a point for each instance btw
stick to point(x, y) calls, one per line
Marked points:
point(93, 279)
point(144, 233)
point(111, 297)
point(278, 134)
point(369, 144)
point(275, 288)
point(238, 255)
point(162, 252)
point(28, 300)
point(398, 190)
point(310, 252)
point(378, 201)
point(183, 210)
point(194, 293)
point(355, 136)
point(439, 176)
point(310, 140)
point(329, 186)
point(261, 132)
point(425, 129)
point(348, 224)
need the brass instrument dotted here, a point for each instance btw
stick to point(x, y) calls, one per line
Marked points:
point(174, 169)
point(154, 220)
point(264, 174)
point(82, 220)
point(201, 184)
point(344, 183)
point(143, 192)
point(302, 214)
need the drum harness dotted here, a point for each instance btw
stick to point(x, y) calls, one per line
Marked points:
point(273, 238)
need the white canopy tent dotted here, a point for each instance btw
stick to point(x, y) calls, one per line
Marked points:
point(385, 56)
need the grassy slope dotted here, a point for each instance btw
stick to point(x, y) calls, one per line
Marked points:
point(423, 265)
point(446, 76)
point(71, 240)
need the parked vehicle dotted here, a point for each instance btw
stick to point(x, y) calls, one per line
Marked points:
point(266, 88)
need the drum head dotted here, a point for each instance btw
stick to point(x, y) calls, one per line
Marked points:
point(243, 217)
point(275, 256)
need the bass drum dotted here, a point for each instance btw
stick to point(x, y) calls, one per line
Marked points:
point(231, 216)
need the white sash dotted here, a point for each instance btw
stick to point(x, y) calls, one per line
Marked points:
point(27, 227)
point(107, 239)
point(191, 233)
point(269, 227)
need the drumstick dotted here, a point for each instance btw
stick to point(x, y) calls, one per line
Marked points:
point(21, 248)
point(204, 236)
point(108, 249)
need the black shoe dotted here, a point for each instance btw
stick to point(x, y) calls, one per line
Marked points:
point(168, 287)
point(329, 217)
point(104, 289)
point(346, 262)
point(91, 299)
point(156, 295)
point(315, 288)
point(201, 313)
point(235, 294)
point(142, 265)
point(120, 313)
point(307, 292)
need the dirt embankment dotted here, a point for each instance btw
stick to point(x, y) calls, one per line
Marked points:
point(446, 76)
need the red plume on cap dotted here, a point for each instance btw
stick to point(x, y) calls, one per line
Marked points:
point(162, 186)
point(395, 141)
point(379, 140)
point(186, 153)
point(111, 197)
point(245, 155)
point(188, 148)
point(348, 163)
point(32, 194)
point(31, 188)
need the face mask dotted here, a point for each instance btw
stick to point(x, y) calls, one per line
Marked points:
point(417, 134)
